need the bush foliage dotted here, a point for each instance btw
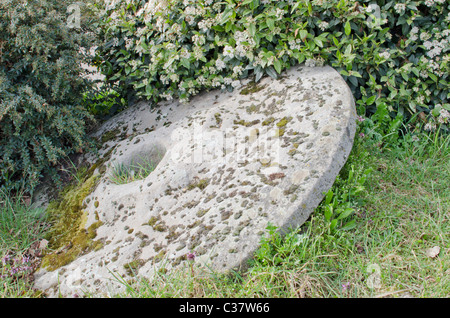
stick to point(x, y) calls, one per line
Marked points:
point(41, 117)
point(393, 54)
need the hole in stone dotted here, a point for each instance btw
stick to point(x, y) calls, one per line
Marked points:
point(138, 165)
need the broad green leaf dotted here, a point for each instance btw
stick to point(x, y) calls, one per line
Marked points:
point(318, 42)
point(300, 58)
point(185, 63)
point(303, 34)
point(328, 196)
point(433, 77)
point(149, 89)
point(259, 73)
point(349, 225)
point(328, 213)
point(277, 65)
point(252, 29)
point(333, 224)
point(345, 213)
point(347, 28)
point(348, 50)
point(371, 100)
point(271, 72)
point(336, 42)
point(270, 24)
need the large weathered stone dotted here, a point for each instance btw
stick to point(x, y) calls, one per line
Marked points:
point(229, 164)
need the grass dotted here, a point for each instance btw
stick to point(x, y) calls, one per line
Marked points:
point(138, 170)
point(396, 200)
point(21, 226)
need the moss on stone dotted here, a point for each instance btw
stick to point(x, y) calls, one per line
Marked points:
point(253, 108)
point(109, 135)
point(283, 122)
point(201, 184)
point(246, 123)
point(68, 236)
point(132, 267)
point(251, 88)
point(218, 119)
point(280, 132)
point(202, 212)
point(160, 227)
point(268, 121)
point(152, 221)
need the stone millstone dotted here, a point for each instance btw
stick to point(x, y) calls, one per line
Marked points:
point(229, 165)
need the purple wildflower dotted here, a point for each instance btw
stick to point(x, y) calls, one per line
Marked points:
point(345, 286)
point(25, 259)
point(190, 256)
point(5, 259)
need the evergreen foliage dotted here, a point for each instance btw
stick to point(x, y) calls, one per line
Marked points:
point(42, 118)
point(392, 54)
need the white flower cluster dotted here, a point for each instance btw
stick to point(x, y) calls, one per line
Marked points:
point(323, 25)
point(400, 7)
point(295, 44)
point(279, 13)
point(220, 65)
point(435, 47)
point(431, 3)
point(152, 7)
point(244, 44)
point(385, 55)
point(205, 25)
point(314, 62)
point(198, 39)
point(444, 116)
point(430, 126)
point(310, 63)
point(228, 51)
point(413, 33)
point(237, 70)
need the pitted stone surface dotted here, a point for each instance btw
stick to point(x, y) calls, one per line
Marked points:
point(231, 164)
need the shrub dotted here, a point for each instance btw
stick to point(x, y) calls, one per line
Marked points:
point(390, 53)
point(41, 117)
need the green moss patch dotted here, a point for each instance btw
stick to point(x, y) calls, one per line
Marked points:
point(268, 121)
point(68, 237)
point(283, 122)
point(201, 184)
point(251, 88)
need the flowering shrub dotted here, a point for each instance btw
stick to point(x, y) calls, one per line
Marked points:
point(394, 54)
point(41, 116)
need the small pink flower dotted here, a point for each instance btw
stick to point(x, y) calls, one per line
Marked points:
point(360, 118)
point(190, 256)
point(345, 286)
point(361, 135)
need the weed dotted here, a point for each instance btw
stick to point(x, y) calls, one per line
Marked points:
point(122, 173)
